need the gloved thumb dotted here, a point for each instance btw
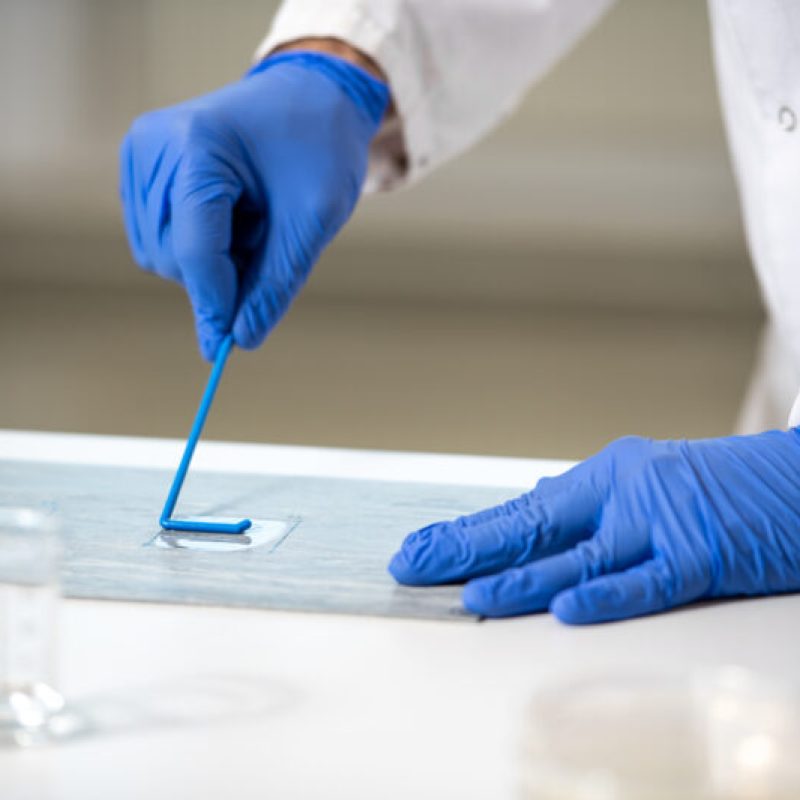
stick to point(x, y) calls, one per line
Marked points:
point(202, 211)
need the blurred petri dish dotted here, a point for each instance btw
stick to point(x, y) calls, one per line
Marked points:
point(724, 734)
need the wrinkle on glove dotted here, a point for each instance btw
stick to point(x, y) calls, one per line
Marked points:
point(639, 528)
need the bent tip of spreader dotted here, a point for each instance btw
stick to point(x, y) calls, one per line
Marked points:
point(191, 525)
point(200, 526)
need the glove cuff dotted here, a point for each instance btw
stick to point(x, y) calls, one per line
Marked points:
point(369, 93)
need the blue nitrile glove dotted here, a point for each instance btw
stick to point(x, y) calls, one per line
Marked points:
point(234, 194)
point(638, 528)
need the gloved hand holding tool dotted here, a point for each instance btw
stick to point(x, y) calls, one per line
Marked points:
point(641, 527)
point(235, 194)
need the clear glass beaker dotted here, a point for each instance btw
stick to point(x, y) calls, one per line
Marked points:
point(31, 709)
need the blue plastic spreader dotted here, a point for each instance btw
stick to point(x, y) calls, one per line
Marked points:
point(199, 526)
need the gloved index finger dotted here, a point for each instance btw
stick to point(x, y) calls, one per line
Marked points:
point(127, 191)
point(556, 515)
point(203, 198)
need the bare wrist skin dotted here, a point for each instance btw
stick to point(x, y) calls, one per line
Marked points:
point(335, 47)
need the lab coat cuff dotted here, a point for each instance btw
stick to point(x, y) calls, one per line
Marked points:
point(794, 414)
point(401, 150)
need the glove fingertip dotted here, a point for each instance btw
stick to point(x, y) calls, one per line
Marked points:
point(402, 571)
point(587, 605)
point(571, 608)
point(209, 337)
point(478, 599)
point(499, 596)
point(129, 217)
point(637, 591)
point(137, 250)
point(416, 562)
point(209, 344)
point(245, 334)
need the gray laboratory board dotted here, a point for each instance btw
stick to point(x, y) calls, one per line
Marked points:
point(333, 560)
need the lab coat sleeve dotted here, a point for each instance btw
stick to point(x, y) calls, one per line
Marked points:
point(455, 67)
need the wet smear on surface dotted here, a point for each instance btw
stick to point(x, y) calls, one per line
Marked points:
point(263, 532)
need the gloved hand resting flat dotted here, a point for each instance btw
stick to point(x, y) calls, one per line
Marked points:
point(640, 527)
point(234, 194)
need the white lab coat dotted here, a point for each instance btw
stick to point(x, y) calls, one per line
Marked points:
point(457, 67)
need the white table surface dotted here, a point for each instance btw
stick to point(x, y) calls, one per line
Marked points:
point(209, 703)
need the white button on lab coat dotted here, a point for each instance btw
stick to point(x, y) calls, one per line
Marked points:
point(456, 67)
